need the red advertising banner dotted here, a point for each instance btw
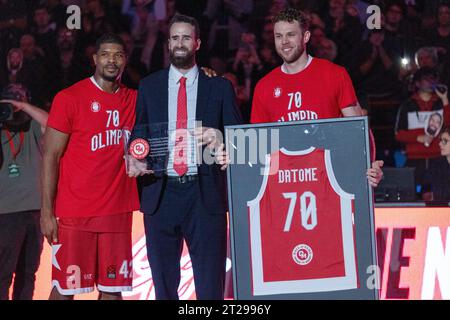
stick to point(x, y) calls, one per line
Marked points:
point(413, 256)
point(413, 247)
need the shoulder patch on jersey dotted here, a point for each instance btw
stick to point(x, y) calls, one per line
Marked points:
point(277, 92)
point(95, 106)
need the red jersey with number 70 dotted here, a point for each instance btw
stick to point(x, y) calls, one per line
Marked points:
point(301, 227)
point(92, 178)
point(320, 91)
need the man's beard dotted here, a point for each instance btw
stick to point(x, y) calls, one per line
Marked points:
point(182, 62)
point(431, 131)
point(294, 57)
point(110, 78)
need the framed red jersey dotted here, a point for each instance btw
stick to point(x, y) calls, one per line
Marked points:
point(301, 213)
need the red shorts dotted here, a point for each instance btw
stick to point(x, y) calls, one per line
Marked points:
point(84, 257)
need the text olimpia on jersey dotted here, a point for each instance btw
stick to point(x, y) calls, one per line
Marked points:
point(301, 227)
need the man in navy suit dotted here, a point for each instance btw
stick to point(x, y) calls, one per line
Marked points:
point(189, 201)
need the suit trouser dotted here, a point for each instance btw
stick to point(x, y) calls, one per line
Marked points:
point(21, 243)
point(181, 215)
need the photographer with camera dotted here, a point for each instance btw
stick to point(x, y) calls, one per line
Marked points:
point(22, 126)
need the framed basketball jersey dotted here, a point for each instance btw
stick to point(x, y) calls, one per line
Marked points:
point(301, 213)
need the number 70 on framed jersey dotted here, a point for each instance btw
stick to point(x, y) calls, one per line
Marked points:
point(301, 211)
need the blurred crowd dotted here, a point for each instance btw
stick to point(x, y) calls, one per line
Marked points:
point(40, 52)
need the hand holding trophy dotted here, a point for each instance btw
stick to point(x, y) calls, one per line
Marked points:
point(136, 163)
point(135, 154)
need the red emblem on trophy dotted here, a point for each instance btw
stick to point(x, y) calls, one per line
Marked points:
point(139, 148)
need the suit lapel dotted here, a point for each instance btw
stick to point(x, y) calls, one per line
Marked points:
point(165, 96)
point(202, 95)
point(161, 99)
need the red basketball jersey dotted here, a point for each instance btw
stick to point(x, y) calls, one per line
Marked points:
point(301, 227)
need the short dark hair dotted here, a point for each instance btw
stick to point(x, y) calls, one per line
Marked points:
point(109, 38)
point(186, 19)
point(290, 15)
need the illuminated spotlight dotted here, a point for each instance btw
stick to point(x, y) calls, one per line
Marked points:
point(405, 61)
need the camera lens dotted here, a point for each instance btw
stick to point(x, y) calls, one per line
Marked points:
point(6, 112)
point(441, 88)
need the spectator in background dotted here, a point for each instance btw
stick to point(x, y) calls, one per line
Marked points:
point(266, 45)
point(146, 16)
point(31, 52)
point(414, 14)
point(20, 235)
point(343, 29)
point(247, 65)
point(269, 59)
point(69, 68)
point(12, 71)
point(227, 18)
point(88, 52)
point(19, 70)
point(13, 23)
point(411, 121)
point(358, 8)
point(57, 11)
point(160, 57)
point(135, 69)
point(436, 186)
point(242, 99)
point(307, 5)
point(440, 36)
point(44, 31)
point(375, 71)
point(34, 60)
point(424, 57)
point(397, 34)
point(86, 35)
point(317, 34)
point(218, 65)
point(327, 49)
point(102, 23)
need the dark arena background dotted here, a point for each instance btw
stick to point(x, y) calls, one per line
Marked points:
point(397, 54)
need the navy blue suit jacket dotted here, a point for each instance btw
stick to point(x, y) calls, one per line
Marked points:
point(216, 108)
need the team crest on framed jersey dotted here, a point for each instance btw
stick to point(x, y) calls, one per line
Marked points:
point(301, 211)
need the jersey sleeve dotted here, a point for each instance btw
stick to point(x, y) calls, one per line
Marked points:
point(346, 96)
point(61, 113)
point(258, 112)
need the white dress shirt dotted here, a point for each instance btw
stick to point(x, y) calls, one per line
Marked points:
point(191, 94)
